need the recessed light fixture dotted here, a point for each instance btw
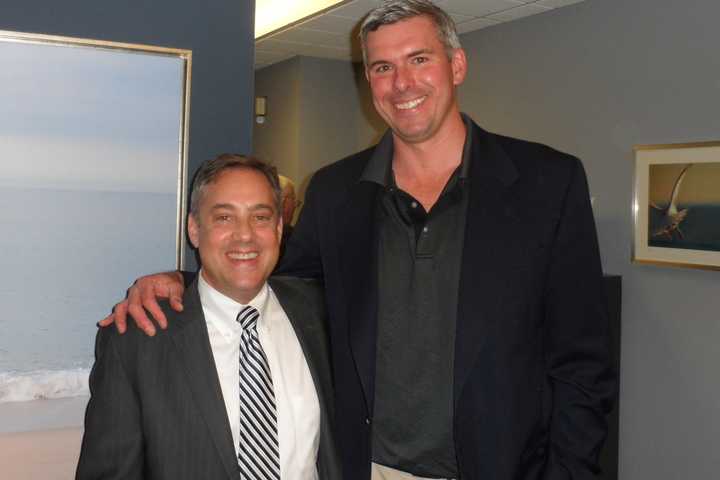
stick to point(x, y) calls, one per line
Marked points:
point(272, 15)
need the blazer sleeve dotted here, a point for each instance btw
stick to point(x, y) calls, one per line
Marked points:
point(302, 253)
point(112, 445)
point(578, 340)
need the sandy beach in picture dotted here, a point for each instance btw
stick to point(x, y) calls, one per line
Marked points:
point(40, 439)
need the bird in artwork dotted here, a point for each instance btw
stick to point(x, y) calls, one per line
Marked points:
point(671, 217)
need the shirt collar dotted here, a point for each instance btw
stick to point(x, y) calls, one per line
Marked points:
point(222, 311)
point(379, 167)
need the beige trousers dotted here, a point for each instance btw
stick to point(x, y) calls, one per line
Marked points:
point(381, 472)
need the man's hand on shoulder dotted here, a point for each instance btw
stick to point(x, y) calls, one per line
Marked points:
point(142, 299)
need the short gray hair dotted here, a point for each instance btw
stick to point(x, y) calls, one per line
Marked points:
point(393, 11)
point(210, 170)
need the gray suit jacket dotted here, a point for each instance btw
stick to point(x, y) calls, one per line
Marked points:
point(156, 408)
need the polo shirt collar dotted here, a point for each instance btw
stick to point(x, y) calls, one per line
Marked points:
point(379, 167)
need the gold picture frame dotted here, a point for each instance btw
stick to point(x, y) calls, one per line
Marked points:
point(676, 205)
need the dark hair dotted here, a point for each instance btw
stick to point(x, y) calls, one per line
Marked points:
point(210, 170)
point(393, 11)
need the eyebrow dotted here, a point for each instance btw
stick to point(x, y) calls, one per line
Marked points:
point(254, 208)
point(414, 53)
point(262, 206)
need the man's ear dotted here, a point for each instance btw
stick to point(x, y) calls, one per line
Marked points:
point(279, 227)
point(459, 66)
point(193, 231)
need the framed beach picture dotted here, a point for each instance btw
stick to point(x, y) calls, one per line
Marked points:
point(677, 205)
point(93, 147)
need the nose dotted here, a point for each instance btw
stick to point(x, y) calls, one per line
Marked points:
point(243, 230)
point(402, 79)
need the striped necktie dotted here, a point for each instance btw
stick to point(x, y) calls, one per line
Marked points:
point(259, 457)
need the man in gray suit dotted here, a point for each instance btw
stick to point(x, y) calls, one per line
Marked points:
point(239, 385)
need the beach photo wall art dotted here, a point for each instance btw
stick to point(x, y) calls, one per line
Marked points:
point(93, 147)
point(676, 205)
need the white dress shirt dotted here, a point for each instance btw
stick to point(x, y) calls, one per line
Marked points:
point(298, 408)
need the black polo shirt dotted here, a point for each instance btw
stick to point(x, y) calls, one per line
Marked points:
point(419, 255)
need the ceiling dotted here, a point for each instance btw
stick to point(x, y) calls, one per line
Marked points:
point(332, 33)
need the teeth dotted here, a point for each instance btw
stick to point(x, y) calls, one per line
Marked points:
point(410, 104)
point(243, 256)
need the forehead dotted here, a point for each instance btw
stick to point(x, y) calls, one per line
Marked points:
point(415, 33)
point(238, 186)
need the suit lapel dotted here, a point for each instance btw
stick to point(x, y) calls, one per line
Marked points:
point(309, 327)
point(491, 173)
point(197, 361)
point(358, 253)
point(311, 336)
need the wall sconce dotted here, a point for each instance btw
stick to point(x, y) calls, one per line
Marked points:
point(260, 109)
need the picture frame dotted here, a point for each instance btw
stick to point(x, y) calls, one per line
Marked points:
point(93, 172)
point(676, 205)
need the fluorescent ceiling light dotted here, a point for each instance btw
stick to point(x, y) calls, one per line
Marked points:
point(271, 15)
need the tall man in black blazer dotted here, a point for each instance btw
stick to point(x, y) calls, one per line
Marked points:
point(180, 406)
point(462, 279)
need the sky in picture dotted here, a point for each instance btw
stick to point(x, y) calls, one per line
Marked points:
point(86, 118)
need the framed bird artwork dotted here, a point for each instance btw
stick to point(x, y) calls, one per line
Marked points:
point(676, 206)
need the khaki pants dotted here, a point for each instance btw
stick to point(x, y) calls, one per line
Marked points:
point(381, 472)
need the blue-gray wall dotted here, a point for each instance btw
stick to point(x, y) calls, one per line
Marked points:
point(594, 79)
point(219, 32)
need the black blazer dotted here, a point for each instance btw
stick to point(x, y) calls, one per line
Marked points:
point(156, 408)
point(532, 377)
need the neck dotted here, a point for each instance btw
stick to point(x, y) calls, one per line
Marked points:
point(436, 154)
point(241, 297)
point(423, 169)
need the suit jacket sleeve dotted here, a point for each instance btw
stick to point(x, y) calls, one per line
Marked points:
point(112, 445)
point(578, 359)
point(302, 253)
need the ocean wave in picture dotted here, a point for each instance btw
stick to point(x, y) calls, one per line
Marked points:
point(43, 384)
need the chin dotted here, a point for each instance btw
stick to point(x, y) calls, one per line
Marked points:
point(415, 135)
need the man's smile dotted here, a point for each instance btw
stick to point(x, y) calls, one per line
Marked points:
point(242, 255)
point(411, 103)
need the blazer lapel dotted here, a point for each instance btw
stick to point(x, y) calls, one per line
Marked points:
point(197, 361)
point(491, 173)
point(358, 253)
